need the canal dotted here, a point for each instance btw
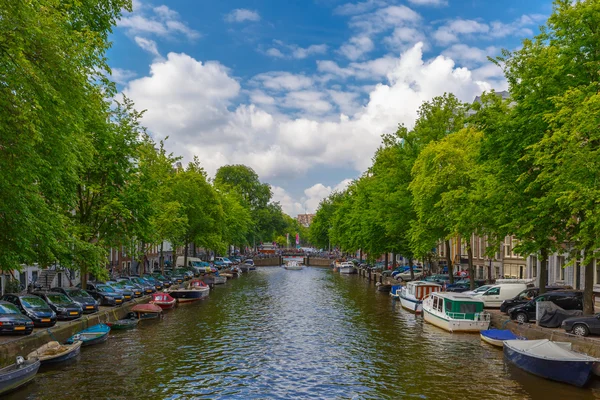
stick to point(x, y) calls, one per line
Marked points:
point(285, 334)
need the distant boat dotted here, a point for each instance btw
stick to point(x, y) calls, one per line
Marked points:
point(412, 295)
point(147, 311)
point(455, 312)
point(347, 267)
point(18, 374)
point(293, 265)
point(550, 360)
point(193, 291)
point(123, 324)
point(92, 335)
point(163, 300)
point(54, 352)
point(496, 337)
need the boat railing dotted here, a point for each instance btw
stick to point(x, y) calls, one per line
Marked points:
point(483, 316)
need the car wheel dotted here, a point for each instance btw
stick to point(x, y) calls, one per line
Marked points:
point(580, 330)
point(522, 318)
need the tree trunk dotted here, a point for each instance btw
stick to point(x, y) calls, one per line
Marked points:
point(361, 256)
point(84, 277)
point(543, 269)
point(161, 259)
point(185, 254)
point(449, 262)
point(588, 290)
point(394, 261)
point(386, 260)
point(194, 249)
point(471, 268)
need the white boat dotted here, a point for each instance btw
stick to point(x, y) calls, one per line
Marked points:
point(455, 312)
point(293, 265)
point(347, 268)
point(412, 295)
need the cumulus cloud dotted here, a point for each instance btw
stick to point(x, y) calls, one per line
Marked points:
point(311, 199)
point(294, 51)
point(148, 45)
point(158, 21)
point(356, 47)
point(121, 76)
point(241, 15)
point(469, 56)
point(429, 2)
point(359, 8)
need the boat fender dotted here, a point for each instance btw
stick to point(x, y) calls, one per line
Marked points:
point(20, 361)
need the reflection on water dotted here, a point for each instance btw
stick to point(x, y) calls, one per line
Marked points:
point(292, 334)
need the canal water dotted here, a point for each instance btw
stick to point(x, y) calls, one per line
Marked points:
point(285, 334)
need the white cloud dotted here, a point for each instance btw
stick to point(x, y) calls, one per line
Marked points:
point(276, 53)
point(359, 8)
point(385, 19)
point(308, 101)
point(469, 56)
point(160, 21)
point(121, 76)
point(311, 199)
point(278, 81)
point(429, 2)
point(450, 32)
point(356, 47)
point(148, 45)
point(294, 51)
point(241, 15)
point(404, 37)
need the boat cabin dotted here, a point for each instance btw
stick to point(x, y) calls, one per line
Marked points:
point(457, 306)
point(421, 289)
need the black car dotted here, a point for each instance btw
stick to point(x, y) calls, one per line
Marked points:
point(144, 284)
point(565, 299)
point(34, 307)
point(166, 282)
point(134, 290)
point(12, 321)
point(582, 326)
point(157, 284)
point(81, 297)
point(127, 293)
point(62, 305)
point(104, 294)
point(525, 296)
point(176, 277)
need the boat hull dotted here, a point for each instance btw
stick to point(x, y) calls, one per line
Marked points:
point(123, 324)
point(12, 378)
point(166, 305)
point(347, 270)
point(493, 342)
point(188, 296)
point(576, 373)
point(411, 305)
point(97, 340)
point(454, 325)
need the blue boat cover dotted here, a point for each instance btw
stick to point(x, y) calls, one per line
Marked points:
point(499, 334)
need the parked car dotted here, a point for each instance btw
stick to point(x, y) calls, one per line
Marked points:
point(166, 282)
point(582, 326)
point(527, 295)
point(64, 307)
point(494, 296)
point(12, 321)
point(565, 299)
point(478, 290)
point(81, 297)
point(104, 294)
point(406, 276)
point(127, 293)
point(462, 285)
point(176, 277)
point(33, 307)
point(150, 279)
point(147, 287)
point(226, 262)
point(438, 278)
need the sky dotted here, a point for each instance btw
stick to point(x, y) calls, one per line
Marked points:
point(302, 90)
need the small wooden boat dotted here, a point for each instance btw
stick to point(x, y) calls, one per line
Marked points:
point(194, 290)
point(381, 287)
point(54, 352)
point(163, 300)
point(147, 311)
point(496, 337)
point(455, 312)
point(347, 267)
point(18, 374)
point(123, 324)
point(412, 295)
point(550, 360)
point(211, 279)
point(90, 336)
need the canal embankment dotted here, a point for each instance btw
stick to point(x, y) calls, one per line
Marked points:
point(13, 346)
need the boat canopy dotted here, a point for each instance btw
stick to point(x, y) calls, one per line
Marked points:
point(548, 350)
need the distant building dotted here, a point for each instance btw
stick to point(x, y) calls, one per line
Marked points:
point(305, 219)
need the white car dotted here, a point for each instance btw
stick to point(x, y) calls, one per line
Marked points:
point(480, 289)
point(405, 276)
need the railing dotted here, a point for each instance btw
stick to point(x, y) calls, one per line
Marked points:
point(483, 316)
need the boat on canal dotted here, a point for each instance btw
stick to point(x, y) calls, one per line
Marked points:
point(412, 295)
point(455, 312)
point(395, 291)
point(194, 290)
point(214, 279)
point(293, 265)
point(347, 267)
point(163, 300)
point(551, 360)
point(53, 352)
point(18, 374)
point(123, 324)
point(90, 336)
point(496, 337)
point(147, 311)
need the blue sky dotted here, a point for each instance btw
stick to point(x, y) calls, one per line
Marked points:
point(301, 90)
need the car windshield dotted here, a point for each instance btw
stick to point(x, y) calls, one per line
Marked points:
point(197, 263)
point(105, 288)
point(526, 295)
point(58, 299)
point(8, 309)
point(34, 302)
point(78, 293)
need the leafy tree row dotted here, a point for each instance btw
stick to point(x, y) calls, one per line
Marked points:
point(78, 172)
point(526, 166)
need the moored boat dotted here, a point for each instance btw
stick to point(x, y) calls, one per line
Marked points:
point(347, 267)
point(90, 336)
point(496, 337)
point(54, 352)
point(147, 311)
point(123, 324)
point(193, 291)
point(18, 374)
point(455, 312)
point(550, 360)
point(212, 279)
point(395, 291)
point(163, 300)
point(412, 295)
point(382, 287)
point(293, 265)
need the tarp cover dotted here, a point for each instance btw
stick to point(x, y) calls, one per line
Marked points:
point(551, 316)
point(499, 334)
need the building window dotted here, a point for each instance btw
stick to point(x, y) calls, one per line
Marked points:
point(123, 265)
point(497, 272)
point(480, 272)
point(560, 267)
point(597, 269)
point(507, 249)
point(534, 262)
point(481, 247)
